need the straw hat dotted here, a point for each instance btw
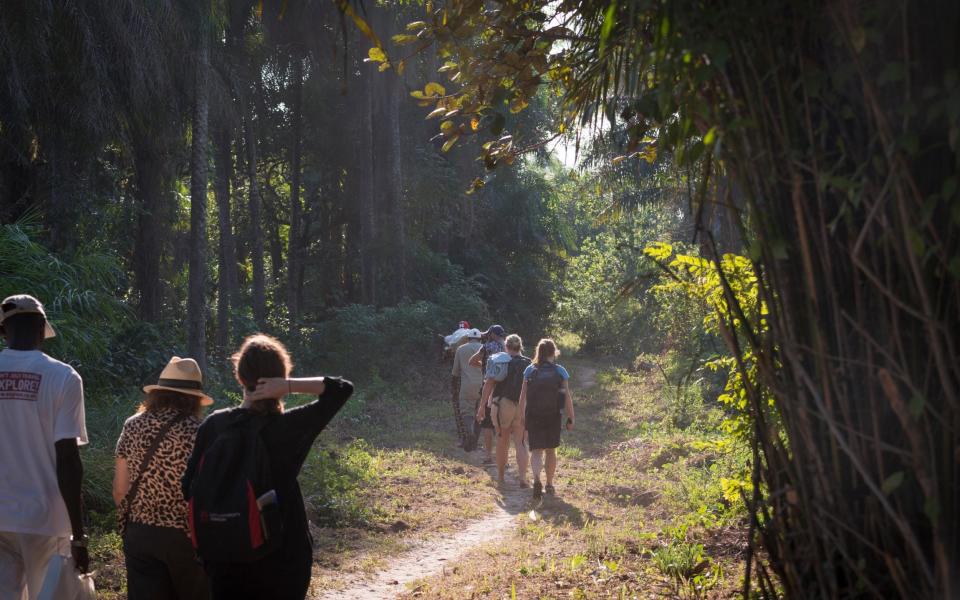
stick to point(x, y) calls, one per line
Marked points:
point(181, 375)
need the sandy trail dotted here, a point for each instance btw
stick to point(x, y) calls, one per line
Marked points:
point(432, 556)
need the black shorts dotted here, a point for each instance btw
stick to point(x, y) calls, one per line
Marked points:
point(543, 431)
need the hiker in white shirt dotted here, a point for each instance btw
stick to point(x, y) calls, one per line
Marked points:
point(41, 427)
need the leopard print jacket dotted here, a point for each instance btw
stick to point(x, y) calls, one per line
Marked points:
point(160, 499)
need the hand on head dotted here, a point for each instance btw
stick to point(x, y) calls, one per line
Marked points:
point(268, 388)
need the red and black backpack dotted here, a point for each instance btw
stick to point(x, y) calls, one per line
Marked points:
point(234, 511)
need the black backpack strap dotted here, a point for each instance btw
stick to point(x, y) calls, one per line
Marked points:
point(145, 463)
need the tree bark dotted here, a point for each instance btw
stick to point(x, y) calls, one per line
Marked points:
point(228, 284)
point(149, 167)
point(197, 295)
point(395, 185)
point(256, 226)
point(368, 220)
point(294, 239)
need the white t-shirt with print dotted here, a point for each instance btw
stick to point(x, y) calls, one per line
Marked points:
point(41, 402)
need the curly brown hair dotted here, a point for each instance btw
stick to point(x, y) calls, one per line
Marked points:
point(261, 356)
point(157, 400)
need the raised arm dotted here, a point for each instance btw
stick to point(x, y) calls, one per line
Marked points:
point(277, 387)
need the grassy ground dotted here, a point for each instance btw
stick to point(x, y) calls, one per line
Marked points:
point(639, 510)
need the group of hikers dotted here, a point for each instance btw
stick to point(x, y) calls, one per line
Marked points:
point(498, 392)
point(223, 489)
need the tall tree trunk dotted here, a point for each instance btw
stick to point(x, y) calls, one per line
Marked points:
point(256, 224)
point(395, 185)
point(149, 167)
point(227, 294)
point(295, 238)
point(367, 185)
point(385, 159)
point(197, 296)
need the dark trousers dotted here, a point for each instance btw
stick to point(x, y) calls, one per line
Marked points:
point(161, 565)
point(279, 576)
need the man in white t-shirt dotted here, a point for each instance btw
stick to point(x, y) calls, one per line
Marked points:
point(41, 426)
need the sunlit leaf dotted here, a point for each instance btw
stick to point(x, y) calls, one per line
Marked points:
point(434, 89)
point(376, 54)
point(710, 137)
point(609, 20)
point(449, 143)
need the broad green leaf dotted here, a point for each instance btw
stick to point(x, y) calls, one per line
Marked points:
point(403, 38)
point(376, 54)
point(416, 25)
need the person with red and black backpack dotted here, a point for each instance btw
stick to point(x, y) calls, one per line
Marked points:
point(247, 516)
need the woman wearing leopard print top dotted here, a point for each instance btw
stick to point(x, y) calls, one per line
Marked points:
point(161, 563)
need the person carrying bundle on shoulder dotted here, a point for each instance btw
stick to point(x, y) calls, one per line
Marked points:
point(465, 386)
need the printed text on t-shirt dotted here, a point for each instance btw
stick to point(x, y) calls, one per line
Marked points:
point(19, 386)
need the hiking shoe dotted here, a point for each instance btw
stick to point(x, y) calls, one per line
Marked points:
point(537, 490)
point(550, 490)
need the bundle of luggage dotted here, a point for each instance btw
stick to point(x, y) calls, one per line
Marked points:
point(450, 343)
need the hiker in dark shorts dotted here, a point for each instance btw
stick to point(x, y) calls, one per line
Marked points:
point(545, 391)
point(262, 367)
point(492, 339)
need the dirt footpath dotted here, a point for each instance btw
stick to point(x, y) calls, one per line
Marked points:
point(432, 556)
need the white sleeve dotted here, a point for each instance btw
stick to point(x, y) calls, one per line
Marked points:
point(70, 421)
